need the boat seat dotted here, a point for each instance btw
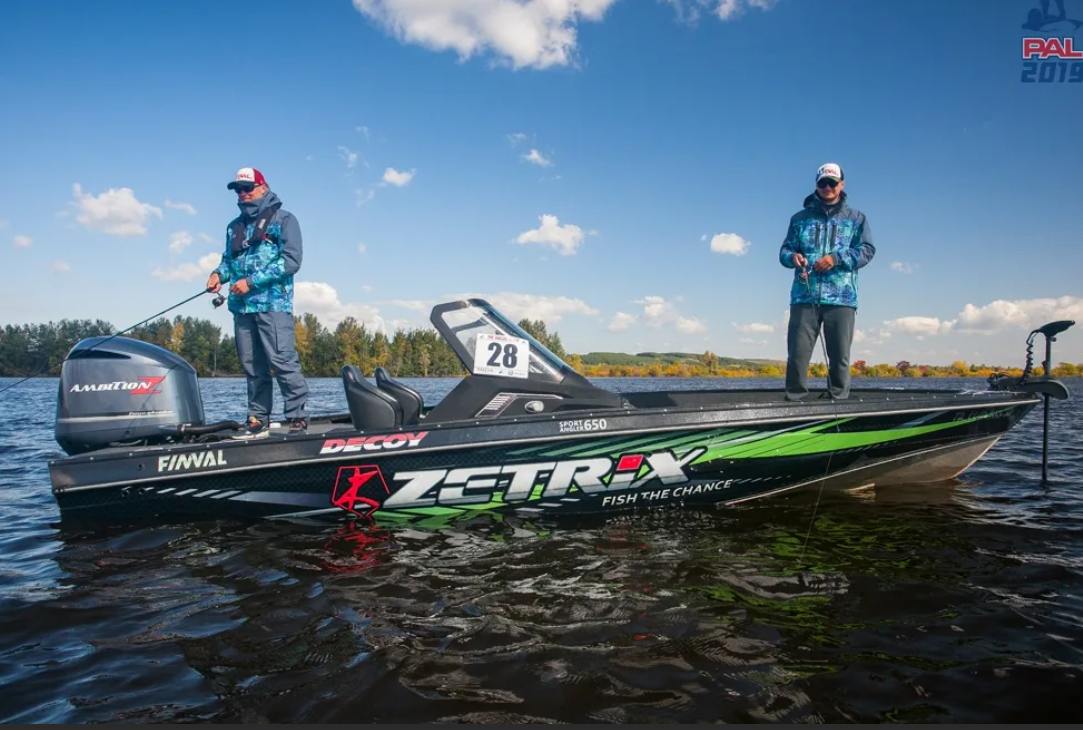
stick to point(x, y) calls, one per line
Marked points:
point(411, 401)
point(370, 407)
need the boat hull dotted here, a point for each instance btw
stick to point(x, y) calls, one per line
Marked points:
point(561, 465)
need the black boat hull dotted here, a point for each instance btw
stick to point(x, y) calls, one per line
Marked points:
point(547, 466)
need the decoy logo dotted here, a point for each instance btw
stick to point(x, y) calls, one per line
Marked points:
point(1052, 52)
point(359, 490)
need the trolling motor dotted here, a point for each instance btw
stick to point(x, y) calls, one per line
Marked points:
point(1045, 385)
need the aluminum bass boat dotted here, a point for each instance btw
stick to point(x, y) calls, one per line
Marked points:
point(523, 433)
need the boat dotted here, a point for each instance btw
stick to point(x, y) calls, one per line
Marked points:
point(522, 433)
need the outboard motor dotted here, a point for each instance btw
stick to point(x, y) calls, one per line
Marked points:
point(124, 392)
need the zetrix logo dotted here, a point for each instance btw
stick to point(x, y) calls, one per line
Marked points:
point(197, 460)
point(372, 443)
point(359, 489)
point(478, 485)
point(147, 385)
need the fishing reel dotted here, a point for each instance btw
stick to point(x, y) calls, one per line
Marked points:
point(218, 300)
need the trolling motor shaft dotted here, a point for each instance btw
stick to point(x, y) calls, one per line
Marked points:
point(1050, 330)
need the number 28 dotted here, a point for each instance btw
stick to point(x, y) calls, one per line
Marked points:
point(511, 355)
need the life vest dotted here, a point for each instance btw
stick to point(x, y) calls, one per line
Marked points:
point(239, 243)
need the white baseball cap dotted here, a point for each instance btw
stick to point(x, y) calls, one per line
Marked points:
point(247, 175)
point(831, 170)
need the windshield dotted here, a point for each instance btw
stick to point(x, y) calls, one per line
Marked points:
point(461, 324)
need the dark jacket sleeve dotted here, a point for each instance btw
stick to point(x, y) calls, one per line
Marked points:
point(861, 249)
point(288, 261)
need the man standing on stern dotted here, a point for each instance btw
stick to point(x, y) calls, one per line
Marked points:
point(263, 252)
point(827, 242)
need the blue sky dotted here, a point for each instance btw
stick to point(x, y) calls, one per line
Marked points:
point(420, 147)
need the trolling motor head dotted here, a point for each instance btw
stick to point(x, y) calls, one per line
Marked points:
point(1052, 329)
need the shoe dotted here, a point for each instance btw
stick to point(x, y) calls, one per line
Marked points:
point(256, 429)
point(298, 426)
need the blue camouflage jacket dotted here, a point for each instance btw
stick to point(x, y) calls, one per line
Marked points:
point(269, 265)
point(845, 234)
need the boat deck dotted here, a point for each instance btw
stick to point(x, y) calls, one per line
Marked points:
point(737, 398)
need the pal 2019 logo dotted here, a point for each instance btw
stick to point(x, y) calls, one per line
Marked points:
point(1052, 54)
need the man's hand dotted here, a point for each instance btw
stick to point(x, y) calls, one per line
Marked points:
point(214, 283)
point(825, 264)
point(240, 288)
point(800, 262)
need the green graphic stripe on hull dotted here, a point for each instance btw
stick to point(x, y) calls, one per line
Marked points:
point(801, 443)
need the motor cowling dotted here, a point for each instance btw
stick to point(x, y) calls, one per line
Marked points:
point(117, 390)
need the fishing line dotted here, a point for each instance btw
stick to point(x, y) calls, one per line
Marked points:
point(217, 302)
point(821, 334)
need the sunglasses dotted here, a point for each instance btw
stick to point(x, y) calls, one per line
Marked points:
point(244, 187)
point(826, 183)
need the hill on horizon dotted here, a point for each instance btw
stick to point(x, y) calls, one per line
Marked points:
point(643, 359)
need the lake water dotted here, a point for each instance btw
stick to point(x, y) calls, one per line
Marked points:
point(959, 602)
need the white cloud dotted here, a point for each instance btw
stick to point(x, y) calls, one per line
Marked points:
point(527, 33)
point(657, 313)
point(189, 271)
point(921, 327)
point(754, 327)
point(536, 158)
point(690, 325)
point(902, 267)
point(59, 266)
point(364, 196)
point(995, 317)
point(564, 238)
point(186, 207)
point(551, 310)
point(722, 9)
point(396, 178)
point(116, 211)
point(729, 243)
point(515, 138)
point(362, 248)
point(22, 241)
point(179, 240)
point(621, 321)
point(350, 157)
point(322, 300)
point(1001, 315)
point(207, 238)
point(363, 130)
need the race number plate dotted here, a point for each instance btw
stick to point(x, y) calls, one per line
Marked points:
point(501, 355)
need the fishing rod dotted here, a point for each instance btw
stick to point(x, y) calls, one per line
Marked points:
point(217, 301)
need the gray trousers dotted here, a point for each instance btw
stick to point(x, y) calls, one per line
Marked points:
point(266, 341)
point(804, 328)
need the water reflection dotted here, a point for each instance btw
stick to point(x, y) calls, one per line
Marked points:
point(654, 618)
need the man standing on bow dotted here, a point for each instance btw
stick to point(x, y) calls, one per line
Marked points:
point(263, 252)
point(827, 242)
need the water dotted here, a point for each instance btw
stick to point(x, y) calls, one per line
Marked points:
point(951, 603)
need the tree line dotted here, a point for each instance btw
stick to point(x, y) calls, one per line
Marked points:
point(40, 349)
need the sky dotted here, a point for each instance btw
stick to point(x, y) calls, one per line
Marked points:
point(623, 169)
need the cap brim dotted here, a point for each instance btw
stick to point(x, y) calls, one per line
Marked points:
point(237, 183)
